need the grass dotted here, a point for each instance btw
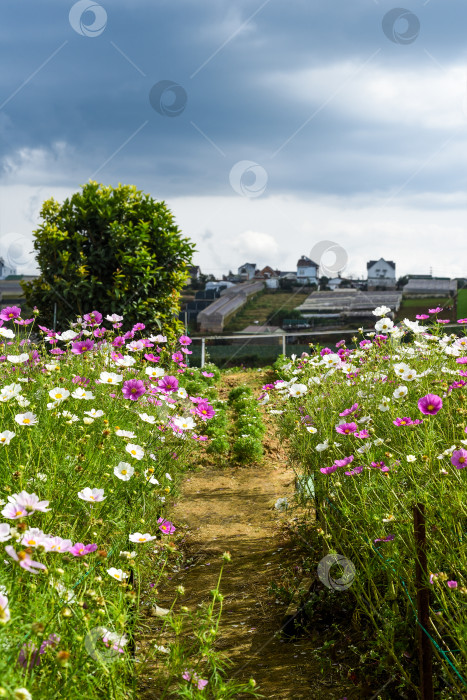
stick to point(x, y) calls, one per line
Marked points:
point(462, 303)
point(409, 308)
point(260, 307)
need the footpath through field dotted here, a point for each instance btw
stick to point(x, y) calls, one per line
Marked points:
point(232, 509)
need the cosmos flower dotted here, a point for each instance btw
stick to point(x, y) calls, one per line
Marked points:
point(117, 574)
point(135, 450)
point(133, 389)
point(166, 526)
point(24, 560)
point(459, 459)
point(92, 495)
point(138, 537)
point(430, 404)
point(124, 471)
point(26, 418)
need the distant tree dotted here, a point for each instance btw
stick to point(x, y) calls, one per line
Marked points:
point(323, 283)
point(401, 282)
point(114, 250)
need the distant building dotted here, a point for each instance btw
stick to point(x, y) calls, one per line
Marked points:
point(247, 271)
point(270, 276)
point(381, 274)
point(307, 271)
point(6, 270)
point(430, 286)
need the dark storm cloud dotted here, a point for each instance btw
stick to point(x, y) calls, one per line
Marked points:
point(238, 94)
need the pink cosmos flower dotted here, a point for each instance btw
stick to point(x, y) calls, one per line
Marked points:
point(184, 340)
point(166, 526)
point(435, 311)
point(403, 421)
point(462, 320)
point(80, 550)
point(347, 428)
point(94, 318)
point(204, 410)
point(343, 462)
point(4, 609)
point(355, 470)
point(388, 538)
point(430, 404)
point(133, 389)
point(10, 312)
point(421, 317)
point(168, 383)
point(459, 459)
point(13, 511)
point(92, 495)
point(362, 434)
point(211, 374)
point(350, 410)
point(57, 544)
point(193, 677)
point(138, 327)
point(452, 584)
point(442, 320)
point(177, 356)
point(151, 358)
point(24, 560)
point(82, 346)
point(30, 501)
point(118, 341)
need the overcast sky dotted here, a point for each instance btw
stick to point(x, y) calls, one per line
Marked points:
point(268, 126)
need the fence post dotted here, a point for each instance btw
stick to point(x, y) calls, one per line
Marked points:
point(423, 603)
point(203, 351)
point(55, 314)
point(283, 344)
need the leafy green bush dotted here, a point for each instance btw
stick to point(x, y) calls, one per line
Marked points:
point(111, 248)
point(247, 449)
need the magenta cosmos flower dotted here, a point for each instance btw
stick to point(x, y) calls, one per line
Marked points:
point(80, 550)
point(24, 560)
point(10, 312)
point(347, 428)
point(193, 677)
point(435, 311)
point(166, 526)
point(184, 340)
point(350, 410)
point(403, 421)
point(133, 389)
point(459, 459)
point(82, 346)
point(95, 318)
point(204, 410)
point(422, 317)
point(430, 404)
point(168, 383)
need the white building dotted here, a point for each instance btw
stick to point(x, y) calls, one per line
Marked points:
point(381, 274)
point(307, 271)
point(5, 270)
point(247, 271)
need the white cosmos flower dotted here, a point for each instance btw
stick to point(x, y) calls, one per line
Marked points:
point(183, 423)
point(384, 325)
point(138, 537)
point(16, 359)
point(22, 401)
point(128, 555)
point(311, 429)
point(331, 360)
point(117, 573)
point(124, 471)
point(322, 446)
point(67, 335)
point(409, 375)
point(92, 495)
point(5, 534)
point(400, 392)
point(52, 366)
point(381, 311)
point(94, 414)
point(148, 473)
point(9, 391)
point(58, 394)
point(26, 418)
point(158, 338)
point(125, 361)
point(411, 458)
point(7, 332)
point(71, 417)
point(110, 378)
point(82, 394)
point(182, 393)
point(114, 318)
point(147, 418)
point(135, 451)
point(401, 368)
point(298, 390)
point(6, 436)
point(87, 420)
point(155, 372)
point(125, 433)
point(413, 326)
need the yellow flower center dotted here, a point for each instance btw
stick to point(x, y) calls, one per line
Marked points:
point(109, 379)
point(133, 452)
point(462, 460)
point(124, 471)
point(26, 420)
point(142, 539)
point(430, 407)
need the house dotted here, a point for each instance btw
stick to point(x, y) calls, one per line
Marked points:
point(430, 287)
point(247, 271)
point(270, 276)
point(6, 270)
point(381, 274)
point(307, 271)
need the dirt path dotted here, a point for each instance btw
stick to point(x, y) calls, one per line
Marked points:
point(233, 510)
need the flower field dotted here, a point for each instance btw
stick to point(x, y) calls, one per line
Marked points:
point(97, 429)
point(382, 430)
